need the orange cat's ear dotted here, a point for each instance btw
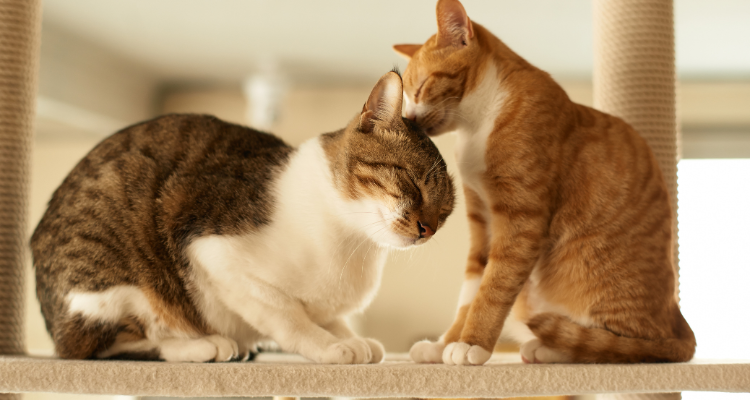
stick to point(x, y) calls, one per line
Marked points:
point(406, 50)
point(384, 103)
point(454, 27)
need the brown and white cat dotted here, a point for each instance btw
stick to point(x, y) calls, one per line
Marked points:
point(186, 238)
point(570, 219)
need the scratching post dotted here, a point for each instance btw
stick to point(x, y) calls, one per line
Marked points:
point(634, 75)
point(19, 49)
point(634, 79)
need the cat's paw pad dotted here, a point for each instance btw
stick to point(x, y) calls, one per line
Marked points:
point(459, 353)
point(226, 348)
point(349, 351)
point(533, 352)
point(376, 349)
point(427, 352)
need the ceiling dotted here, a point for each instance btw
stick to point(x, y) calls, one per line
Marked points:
point(345, 41)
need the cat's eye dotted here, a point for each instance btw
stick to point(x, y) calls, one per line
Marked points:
point(416, 95)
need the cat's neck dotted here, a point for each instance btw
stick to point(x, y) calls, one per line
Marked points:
point(479, 109)
point(310, 205)
point(511, 90)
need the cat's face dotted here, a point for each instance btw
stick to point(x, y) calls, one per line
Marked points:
point(392, 173)
point(441, 71)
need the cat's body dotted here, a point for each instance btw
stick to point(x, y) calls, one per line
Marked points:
point(570, 219)
point(186, 238)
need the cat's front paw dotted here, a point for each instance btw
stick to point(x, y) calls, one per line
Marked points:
point(376, 349)
point(427, 352)
point(226, 348)
point(459, 353)
point(533, 352)
point(349, 351)
point(206, 349)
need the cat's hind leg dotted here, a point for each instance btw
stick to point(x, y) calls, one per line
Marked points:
point(534, 352)
point(213, 348)
point(128, 340)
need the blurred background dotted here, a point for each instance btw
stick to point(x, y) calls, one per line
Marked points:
point(301, 68)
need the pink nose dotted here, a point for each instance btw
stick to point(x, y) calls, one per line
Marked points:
point(425, 231)
point(411, 115)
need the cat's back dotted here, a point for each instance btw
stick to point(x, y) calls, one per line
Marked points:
point(125, 212)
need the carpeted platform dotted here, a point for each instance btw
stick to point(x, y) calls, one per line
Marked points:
point(288, 375)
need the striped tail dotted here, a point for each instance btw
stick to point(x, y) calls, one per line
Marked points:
point(579, 344)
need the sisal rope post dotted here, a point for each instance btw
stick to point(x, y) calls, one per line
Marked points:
point(634, 79)
point(634, 75)
point(20, 29)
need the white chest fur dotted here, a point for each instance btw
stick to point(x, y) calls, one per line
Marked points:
point(479, 111)
point(309, 257)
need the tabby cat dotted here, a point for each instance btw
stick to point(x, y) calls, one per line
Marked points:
point(186, 238)
point(570, 219)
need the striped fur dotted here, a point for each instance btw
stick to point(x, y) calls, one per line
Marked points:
point(186, 238)
point(570, 218)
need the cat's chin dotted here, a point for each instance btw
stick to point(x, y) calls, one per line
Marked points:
point(399, 242)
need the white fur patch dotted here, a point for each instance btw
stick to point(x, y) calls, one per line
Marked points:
point(110, 305)
point(427, 352)
point(320, 258)
point(469, 290)
point(139, 346)
point(479, 110)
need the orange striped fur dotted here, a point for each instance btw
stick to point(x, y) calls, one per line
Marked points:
point(570, 218)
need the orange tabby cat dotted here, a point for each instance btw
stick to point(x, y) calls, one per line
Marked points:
point(571, 223)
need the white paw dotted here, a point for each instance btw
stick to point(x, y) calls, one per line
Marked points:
point(533, 352)
point(349, 351)
point(427, 352)
point(205, 349)
point(376, 349)
point(226, 348)
point(459, 353)
point(187, 350)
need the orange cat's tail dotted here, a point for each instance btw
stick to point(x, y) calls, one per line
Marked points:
point(580, 344)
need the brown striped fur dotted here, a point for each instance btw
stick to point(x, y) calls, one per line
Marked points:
point(123, 221)
point(571, 212)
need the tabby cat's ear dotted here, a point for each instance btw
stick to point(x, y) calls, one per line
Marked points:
point(454, 27)
point(384, 103)
point(406, 50)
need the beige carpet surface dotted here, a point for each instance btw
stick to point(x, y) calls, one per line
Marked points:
point(286, 375)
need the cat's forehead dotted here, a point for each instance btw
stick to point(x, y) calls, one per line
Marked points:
point(411, 147)
point(428, 59)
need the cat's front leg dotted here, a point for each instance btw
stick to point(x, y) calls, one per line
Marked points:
point(294, 331)
point(271, 311)
point(477, 212)
point(340, 328)
point(283, 318)
point(516, 240)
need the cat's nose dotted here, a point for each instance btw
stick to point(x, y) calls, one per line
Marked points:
point(425, 231)
point(412, 115)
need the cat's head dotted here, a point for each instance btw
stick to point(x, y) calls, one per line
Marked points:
point(445, 69)
point(395, 181)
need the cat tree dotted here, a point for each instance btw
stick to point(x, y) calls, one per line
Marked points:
point(634, 78)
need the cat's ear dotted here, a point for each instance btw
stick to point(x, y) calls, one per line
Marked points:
point(406, 50)
point(384, 103)
point(454, 27)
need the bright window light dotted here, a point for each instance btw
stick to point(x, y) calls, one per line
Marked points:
point(714, 222)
